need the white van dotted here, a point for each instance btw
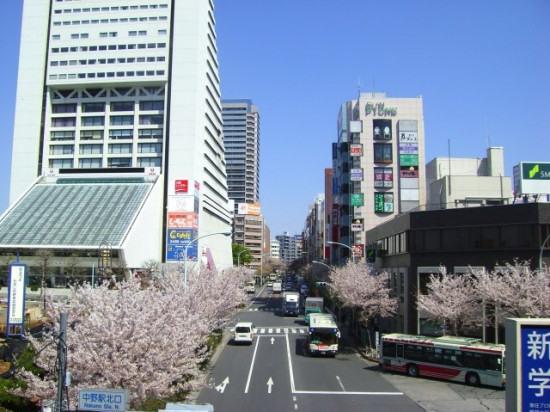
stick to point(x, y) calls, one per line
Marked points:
point(244, 333)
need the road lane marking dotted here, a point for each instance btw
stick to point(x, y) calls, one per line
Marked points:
point(348, 393)
point(290, 371)
point(340, 383)
point(269, 385)
point(252, 365)
point(221, 387)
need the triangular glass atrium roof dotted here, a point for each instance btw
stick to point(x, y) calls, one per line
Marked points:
point(77, 213)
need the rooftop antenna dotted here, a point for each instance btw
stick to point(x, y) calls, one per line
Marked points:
point(487, 137)
point(358, 85)
point(373, 86)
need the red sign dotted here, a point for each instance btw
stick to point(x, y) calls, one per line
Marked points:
point(357, 250)
point(182, 186)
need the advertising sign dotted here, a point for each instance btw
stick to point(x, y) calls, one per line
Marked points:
point(96, 399)
point(532, 178)
point(356, 199)
point(408, 159)
point(248, 209)
point(528, 364)
point(356, 175)
point(181, 186)
point(408, 137)
point(183, 203)
point(176, 242)
point(182, 220)
point(408, 172)
point(383, 202)
point(357, 250)
point(356, 227)
point(535, 370)
point(16, 293)
point(356, 149)
point(408, 148)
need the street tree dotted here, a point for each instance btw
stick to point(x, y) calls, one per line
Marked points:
point(43, 266)
point(451, 299)
point(152, 342)
point(241, 254)
point(358, 286)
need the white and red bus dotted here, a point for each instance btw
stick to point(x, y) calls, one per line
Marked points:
point(447, 357)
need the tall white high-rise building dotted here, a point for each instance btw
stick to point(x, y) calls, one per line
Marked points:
point(118, 133)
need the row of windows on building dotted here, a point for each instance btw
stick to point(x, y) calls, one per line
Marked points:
point(109, 21)
point(114, 134)
point(85, 149)
point(119, 60)
point(102, 75)
point(110, 162)
point(111, 34)
point(99, 107)
point(105, 47)
point(112, 8)
point(91, 121)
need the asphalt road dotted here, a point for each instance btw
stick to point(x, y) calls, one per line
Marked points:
point(276, 374)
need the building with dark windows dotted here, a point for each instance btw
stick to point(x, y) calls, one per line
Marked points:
point(118, 135)
point(241, 139)
point(378, 168)
point(415, 245)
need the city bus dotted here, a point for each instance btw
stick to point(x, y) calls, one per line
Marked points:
point(323, 334)
point(447, 357)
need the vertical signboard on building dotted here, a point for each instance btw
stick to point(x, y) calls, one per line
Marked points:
point(17, 279)
point(528, 365)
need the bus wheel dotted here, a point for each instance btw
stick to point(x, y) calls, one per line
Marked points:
point(412, 370)
point(472, 379)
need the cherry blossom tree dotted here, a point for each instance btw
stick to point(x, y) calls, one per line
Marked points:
point(150, 341)
point(451, 299)
point(358, 286)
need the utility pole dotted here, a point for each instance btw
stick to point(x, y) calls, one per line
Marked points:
point(62, 359)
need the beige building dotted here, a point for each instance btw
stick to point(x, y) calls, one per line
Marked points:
point(248, 231)
point(466, 182)
point(378, 167)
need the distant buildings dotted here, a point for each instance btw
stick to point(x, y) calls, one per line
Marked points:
point(118, 135)
point(287, 247)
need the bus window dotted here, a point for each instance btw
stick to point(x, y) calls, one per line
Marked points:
point(389, 349)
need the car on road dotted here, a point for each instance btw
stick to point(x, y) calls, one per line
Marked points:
point(244, 333)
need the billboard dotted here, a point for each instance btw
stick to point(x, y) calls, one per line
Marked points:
point(356, 199)
point(356, 175)
point(355, 149)
point(177, 241)
point(383, 202)
point(532, 178)
point(182, 220)
point(248, 209)
point(183, 203)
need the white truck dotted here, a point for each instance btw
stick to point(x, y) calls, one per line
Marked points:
point(313, 305)
point(323, 334)
point(250, 286)
point(277, 287)
point(291, 303)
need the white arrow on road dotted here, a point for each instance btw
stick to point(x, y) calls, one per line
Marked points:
point(269, 385)
point(221, 387)
point(272, 340)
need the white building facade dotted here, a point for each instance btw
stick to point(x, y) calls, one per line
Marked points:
point(120, 91)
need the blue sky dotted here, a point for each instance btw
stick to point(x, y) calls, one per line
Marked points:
point(482, 68)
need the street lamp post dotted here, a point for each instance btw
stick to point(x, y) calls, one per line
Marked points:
point(239, 256)
point(321, 263)
point(329, 242)
point(187, 247)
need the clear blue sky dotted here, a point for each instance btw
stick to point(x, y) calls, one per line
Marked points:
point(482, 67)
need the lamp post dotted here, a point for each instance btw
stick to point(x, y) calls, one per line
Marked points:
point(321, 263)
point(93, 270)
point(329, 242)
point(541, 248)
point(187, 247)
point(239, 256)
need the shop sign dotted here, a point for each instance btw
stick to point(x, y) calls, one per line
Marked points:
point(408, 160)
point(356, 199)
